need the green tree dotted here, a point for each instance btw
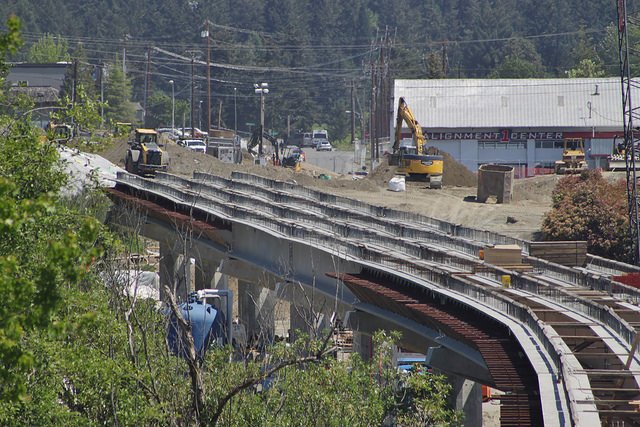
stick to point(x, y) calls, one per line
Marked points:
point(49, 49)
point(117, 94)
point(515, 68)
point(42, 245)
point(83, 73)
point(159, 109)
point(521, 61)
point(586, 68)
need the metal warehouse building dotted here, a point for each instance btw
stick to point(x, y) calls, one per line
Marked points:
point(518, 122)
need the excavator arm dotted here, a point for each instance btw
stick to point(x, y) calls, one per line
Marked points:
point(256, 139)
point(405, 114)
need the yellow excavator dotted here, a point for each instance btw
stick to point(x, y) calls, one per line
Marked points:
point(144, 156)
point(573, 158)
point(412, 159)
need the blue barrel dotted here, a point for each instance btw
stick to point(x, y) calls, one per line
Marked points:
point(206, 326)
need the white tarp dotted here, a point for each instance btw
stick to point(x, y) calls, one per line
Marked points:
point(135, 283)
point(84, 168)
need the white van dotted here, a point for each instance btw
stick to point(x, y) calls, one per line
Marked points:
point(319, 136)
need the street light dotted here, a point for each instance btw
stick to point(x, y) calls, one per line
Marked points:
point(262, 89)
point(173, 108)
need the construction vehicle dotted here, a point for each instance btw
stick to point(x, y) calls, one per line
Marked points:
point(618, 160)
point(573, 158)
point(59, 133)
point(144, 156)
point(286, 158)
point(412, 159)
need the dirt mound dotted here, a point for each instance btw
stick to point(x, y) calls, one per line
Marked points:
point(456, 174)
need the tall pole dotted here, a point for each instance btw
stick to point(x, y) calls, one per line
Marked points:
point(102, 95)
point(146, 85)
point(262, 89)
point(353, 116)
point(193, 60)
point(208, 79)
point(261, 119)
point(372, 115)
point(173, 107)
point(235, 111)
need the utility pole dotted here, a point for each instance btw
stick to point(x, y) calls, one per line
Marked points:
point(146, 85)
point(372, 115)
point(102, 95)
point(193, 60)
point(353, 115)
point(208, 78)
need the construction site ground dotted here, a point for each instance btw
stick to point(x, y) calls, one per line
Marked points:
point(455, 202)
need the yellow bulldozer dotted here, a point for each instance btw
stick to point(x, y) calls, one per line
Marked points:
point(573, 157)
point(144, 156)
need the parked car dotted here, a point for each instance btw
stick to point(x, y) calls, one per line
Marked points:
point(196, 133)
point(194, 144)
point(324, 145)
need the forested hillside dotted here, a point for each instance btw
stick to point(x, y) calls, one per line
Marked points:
point(310, 51)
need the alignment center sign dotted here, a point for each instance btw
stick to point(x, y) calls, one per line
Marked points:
point(502, 135)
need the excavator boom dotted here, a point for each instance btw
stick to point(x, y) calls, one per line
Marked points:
point(405, 114)
point(412, 160)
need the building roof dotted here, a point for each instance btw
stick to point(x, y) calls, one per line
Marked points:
point(26, 74)
point(39, 94)
point(514, 103)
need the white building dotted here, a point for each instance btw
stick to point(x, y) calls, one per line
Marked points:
point(519, 122)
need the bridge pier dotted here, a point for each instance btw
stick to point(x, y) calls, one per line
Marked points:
point(467, 398)
point(363, 345)
point(256, 310)
point(174, 270)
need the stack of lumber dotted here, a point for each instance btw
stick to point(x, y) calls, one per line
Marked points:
point(567, 253)
point(503, 255)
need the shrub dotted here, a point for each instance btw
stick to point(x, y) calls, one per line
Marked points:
point(588, 207)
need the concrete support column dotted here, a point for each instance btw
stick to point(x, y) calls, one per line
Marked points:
point(205, 274)
point(173, 271)
point(256, 311)
point(300, 322)
point(363, 345)
point(467, 397)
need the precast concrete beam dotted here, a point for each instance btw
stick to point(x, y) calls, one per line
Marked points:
point(455, 364)
point(248, 272)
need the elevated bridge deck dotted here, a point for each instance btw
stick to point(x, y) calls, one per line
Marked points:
point(574, 349)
